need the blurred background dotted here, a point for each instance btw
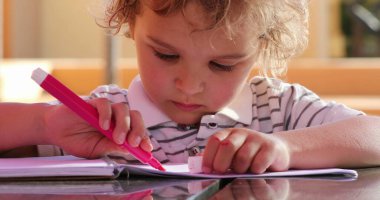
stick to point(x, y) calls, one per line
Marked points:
point(341, 62)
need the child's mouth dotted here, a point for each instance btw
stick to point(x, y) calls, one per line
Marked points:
point(186, 107)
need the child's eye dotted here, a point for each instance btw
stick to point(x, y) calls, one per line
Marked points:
point(163, 56)
point(220, 67)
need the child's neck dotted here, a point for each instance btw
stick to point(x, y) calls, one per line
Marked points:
point(186, 127)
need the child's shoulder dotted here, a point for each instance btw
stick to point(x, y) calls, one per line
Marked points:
point(268, 83)
point(260, 84)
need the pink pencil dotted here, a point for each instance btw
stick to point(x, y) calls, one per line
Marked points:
point(87, 112)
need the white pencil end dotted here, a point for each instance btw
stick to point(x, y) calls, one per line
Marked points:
point(195, 164)
point(39, 75)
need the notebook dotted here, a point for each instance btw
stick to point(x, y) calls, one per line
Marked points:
point(71, 167)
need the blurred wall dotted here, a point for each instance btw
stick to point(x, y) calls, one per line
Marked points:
point(22, 28)
point(67, 29)
point(1, 30)
point(326, 39)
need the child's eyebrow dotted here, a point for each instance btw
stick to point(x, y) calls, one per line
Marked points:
point(161, 43)
point(235, 56)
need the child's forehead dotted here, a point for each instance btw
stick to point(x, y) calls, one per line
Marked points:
point(208, 15)
point(182, 37)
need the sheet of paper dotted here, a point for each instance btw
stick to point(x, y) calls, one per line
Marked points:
point(70, 166)
point(54, 166)
point(182, 170)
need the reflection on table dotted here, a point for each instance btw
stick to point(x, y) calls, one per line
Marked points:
point(135, 188)
point(366, 186)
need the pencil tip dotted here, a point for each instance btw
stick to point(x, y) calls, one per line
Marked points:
point(156, 164)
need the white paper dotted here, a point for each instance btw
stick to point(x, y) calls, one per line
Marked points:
point(54, 166)
point(61, 166)
point(182, 170)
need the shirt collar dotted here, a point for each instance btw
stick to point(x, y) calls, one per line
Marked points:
point(138, 100)
point(238, 110)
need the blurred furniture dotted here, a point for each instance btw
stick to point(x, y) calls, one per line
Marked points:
point(361, 24)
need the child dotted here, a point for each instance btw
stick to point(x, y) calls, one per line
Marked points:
point(193, 93)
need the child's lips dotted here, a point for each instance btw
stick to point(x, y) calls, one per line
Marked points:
point(186, 107)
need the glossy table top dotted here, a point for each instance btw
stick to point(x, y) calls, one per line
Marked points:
point(365, 186)
point(134, 189)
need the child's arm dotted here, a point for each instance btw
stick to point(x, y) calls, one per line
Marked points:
point(21, 124)
point(41, 123)
point(353, 142)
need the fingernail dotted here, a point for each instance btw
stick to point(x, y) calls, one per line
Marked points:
point(128, 122)
point(150, 146)
point(106, 125)
point(137, 141)
point(121, 138)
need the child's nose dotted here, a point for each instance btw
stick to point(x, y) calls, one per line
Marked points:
point(190, 83)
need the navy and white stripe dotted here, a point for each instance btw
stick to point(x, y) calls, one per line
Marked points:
point(273, 106)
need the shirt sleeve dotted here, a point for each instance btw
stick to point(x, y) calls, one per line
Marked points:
point(111, 92)
point(303, 108)
point(49, 150)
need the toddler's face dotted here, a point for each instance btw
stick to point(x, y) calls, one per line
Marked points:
point(188, 73)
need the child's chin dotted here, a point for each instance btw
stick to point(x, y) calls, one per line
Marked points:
point(186, 120)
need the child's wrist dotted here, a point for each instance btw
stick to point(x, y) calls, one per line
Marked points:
point(43, 122)
point(291, 149)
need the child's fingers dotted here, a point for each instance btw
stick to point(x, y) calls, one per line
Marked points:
point(121, 114)
point(273, 154)
point(264, 158)
point(243, 158)
point(212, 149)
point(104, 109)
point(92, 145)
point(146, 144)
point(137, 132)
point(227, 149)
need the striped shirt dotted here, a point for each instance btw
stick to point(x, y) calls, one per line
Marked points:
point(264, 105)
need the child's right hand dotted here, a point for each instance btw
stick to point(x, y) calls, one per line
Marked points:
point(66, 129)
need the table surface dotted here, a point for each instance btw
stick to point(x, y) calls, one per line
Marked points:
point(366, 186)
point(133, 188)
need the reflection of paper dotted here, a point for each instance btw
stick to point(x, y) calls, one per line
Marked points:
point(183, 171)
point(61, 187)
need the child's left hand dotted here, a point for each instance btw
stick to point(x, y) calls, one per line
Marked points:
point(243, 150)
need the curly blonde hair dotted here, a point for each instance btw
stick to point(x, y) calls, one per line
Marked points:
point(282, 24)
